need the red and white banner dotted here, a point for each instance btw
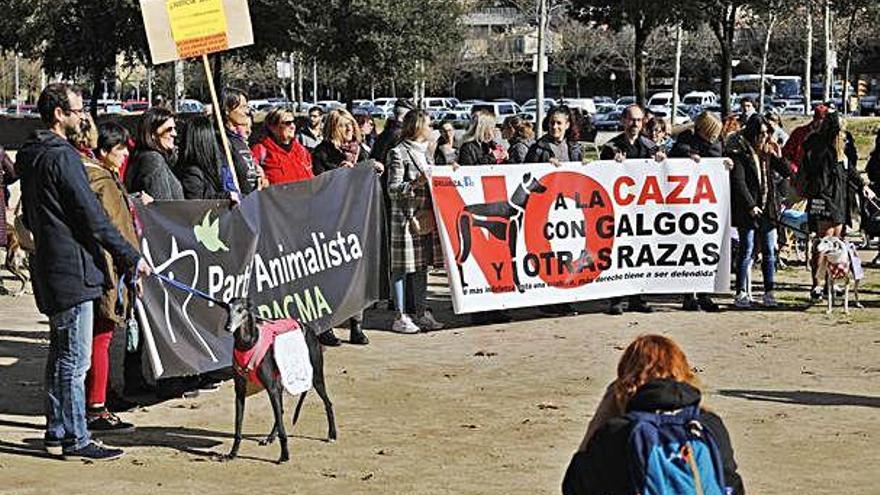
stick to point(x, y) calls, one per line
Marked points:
point(536, 234)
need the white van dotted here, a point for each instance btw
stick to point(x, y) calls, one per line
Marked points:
point(501, 109)
point(587, 105)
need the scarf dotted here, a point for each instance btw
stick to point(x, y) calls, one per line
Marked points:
point(351, 150)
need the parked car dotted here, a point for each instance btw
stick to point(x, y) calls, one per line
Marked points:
point(603, 99)
point(587, 105)
point(328, 105)
point(530, 109)
point(136, 106)
point(502, 110)
point(435, 106)
point(190, 106)
point(658, 101)
point(460, 119)
point(625, 101)
point(793, 109)
point(681, 117)
point(609, 121)
point(868, 105)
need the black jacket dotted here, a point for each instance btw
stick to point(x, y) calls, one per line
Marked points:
point(243, 159)
point(688, 143)
point(518, 151)
point(642, 148)
point(326, 156)
point(745, 188)
point(388, 139)
point(151, 172)
point(603, 468)
point(476, 153)
point(541, 152)
point(69, 225)
point(197, 184)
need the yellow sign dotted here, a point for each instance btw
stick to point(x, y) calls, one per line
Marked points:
point(179, 29)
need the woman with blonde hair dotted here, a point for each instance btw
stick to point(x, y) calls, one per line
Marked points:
point(341, 148)
point(478, 146)
point(653, 376)
point(282, 158)
point(413, 228)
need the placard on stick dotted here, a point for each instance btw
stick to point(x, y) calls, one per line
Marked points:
point(179, 29)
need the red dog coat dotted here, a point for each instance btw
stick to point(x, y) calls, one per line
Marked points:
point(245, 362)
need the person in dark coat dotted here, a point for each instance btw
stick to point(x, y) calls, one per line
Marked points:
point(151, 167)
point(478, 146)
point(829, 174)
point(390, 135)
point(557, 145)
point(201, 167)
point(704, 140)
point(70, 230)
point(754, 209)
point(342, 148)
point(628, 145)
point(311, 135)
point(236, 117)
point(653, 375)
point(519, 136)
point(445, 152)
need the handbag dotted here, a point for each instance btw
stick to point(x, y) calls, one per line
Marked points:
point(25, 237)
point(423, 222)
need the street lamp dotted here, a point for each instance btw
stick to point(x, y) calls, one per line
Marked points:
point(613, 78)
point(17, 85)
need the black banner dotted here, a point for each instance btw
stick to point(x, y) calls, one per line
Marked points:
point(310, 250)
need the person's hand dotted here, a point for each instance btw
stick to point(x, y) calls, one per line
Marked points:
point(868, 192)
point(421, 180)
point(660, 156)
point(756, 212)
point(378, 166)
point(234, 198)
point(619, 156)
point(555, 162)
point(728, 164)
point(774, 149)
point(146, 199)
point(346, 164)
point(695, 157)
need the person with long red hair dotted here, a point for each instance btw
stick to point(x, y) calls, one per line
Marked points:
point(653, 375)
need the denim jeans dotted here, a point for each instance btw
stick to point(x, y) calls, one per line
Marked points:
point(767, 236)
point(410, 291)
point(70, 354)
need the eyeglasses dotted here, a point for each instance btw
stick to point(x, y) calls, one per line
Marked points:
point(79, 111)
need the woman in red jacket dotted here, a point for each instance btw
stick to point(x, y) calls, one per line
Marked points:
point(282, 158)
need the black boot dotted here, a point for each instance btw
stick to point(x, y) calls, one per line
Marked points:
point(358, 337)
point(329, 339)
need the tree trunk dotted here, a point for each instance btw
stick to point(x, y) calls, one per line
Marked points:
point(724, 29)
point(677, 74)
point(577, 85)
point(771, 21)
point(97, 74)
point(808, 62)
point(848, 58)
point(829, 80)
point(217, 71)
point(639, 57)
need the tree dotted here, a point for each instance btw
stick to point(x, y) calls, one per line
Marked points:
point(721, 16)
point(644, 16)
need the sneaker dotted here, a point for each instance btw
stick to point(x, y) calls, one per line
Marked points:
point(404, 324)
point(427, 322)
point(690, 303)
point(641, 307)
point(94, 451)
point(816, 295)
point(329, 339)
point(770, 300)
point(107, 422)
point(615, 309)
point(53, 447)
point(742, 300)
point(210, 385)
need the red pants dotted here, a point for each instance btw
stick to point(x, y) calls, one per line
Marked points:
point(96, 379)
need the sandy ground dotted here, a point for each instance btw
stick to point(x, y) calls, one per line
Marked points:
point(492, 409)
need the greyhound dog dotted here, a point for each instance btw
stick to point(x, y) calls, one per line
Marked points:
point(501, 219)
point(242, 323)
point(16, 259)
point(835, 265)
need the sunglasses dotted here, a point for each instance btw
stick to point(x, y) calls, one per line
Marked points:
point(167, 130)
point(288, 123)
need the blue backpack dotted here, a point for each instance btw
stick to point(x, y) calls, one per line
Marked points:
point(672, 454)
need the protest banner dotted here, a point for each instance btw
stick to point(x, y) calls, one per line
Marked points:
point(531, 235)
point(309, 250)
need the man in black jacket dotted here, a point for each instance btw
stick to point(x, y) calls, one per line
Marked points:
point(628, 145)
point(70, 229)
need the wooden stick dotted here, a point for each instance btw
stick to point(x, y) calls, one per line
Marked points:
point(219, 118)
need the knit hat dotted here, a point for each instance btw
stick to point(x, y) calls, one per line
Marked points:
point(707, 124)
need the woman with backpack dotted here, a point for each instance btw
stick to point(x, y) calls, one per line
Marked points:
point(828, 176)
point(656, 392)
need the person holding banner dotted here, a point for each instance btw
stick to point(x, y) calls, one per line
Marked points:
point(631, 144)
point(478, 146)
point(70, 231)
point(310, 135)
point(280, 156)
point(201, 168)
point(341, 148)
point(704, 140)
point(150, 170)
point(754, 209)
point(413, 228)
point(519, 136)
point(236, 115)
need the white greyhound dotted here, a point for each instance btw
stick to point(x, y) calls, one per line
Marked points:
point(835, 264)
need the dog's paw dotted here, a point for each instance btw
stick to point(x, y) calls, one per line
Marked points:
point(267, 441)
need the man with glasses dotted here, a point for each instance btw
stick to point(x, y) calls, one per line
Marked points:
point(631, 144)
point(236, 115)
point(70, 229)
point(311, 136)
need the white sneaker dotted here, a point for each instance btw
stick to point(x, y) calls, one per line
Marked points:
point(770, 300)
point(742, 300)
point(404, 324)
point(427, 322)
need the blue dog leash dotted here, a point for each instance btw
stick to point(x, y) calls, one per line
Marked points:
point(192, 290)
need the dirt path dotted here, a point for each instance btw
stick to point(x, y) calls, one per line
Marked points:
point(492, 409)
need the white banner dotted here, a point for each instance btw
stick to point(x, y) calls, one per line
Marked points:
point(535, 234)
